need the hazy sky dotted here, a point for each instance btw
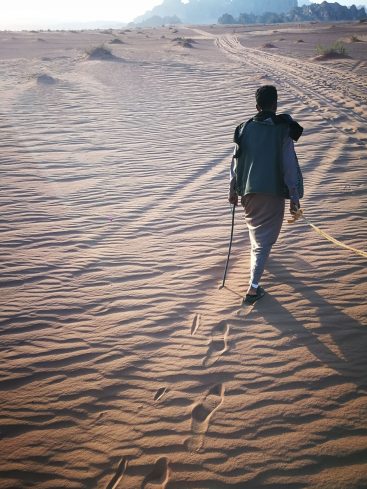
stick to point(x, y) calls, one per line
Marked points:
point(18, 14)
point(24, 14)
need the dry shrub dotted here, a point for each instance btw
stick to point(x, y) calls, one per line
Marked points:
point(116, 41)
point(99, 52)
point(184, 42)
point(46, 80)
point(355, 39)
point(336, 50)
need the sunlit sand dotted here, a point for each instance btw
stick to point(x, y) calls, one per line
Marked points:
point(123, 365)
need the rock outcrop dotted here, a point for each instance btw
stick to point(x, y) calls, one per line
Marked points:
point(320, 12)
point(208, 11)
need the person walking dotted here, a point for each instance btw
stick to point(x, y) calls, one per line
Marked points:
point(264, 172)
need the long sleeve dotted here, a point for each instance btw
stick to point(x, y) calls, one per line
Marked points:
point(232, 174)
point(290, 167)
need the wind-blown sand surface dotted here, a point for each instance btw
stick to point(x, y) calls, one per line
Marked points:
point(122, 364)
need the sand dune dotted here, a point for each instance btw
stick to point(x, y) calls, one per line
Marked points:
point(123, 365)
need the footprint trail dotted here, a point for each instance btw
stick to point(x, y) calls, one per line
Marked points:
point(218, 345)
point(119, 474)
point(201, 416)
point(159, 476)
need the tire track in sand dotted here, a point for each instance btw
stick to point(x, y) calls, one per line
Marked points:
point(320, 87)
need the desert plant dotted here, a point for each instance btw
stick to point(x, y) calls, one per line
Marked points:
point(99, 52)
point(116, 40)
point(184, 42)
point(354, 39)
point(337, 48)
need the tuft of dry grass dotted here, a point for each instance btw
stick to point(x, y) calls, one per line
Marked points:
point(355, 38)
point(185, 42)
point(116, 41)
point(336, 50)
point(99, 52)
point(46, 80)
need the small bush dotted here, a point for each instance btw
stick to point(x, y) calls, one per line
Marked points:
point(184, 42)
point(355, 39)
point(116, 41)
point(99, 52)
point(337, 49)
point(46, 80)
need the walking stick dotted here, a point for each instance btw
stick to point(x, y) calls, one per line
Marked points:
point(229, 248)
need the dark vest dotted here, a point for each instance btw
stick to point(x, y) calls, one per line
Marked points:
point(259, 157)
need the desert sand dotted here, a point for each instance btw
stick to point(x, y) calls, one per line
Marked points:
point(123, 366)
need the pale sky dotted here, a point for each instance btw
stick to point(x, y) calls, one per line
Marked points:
point(24, 14)
point(37, 14)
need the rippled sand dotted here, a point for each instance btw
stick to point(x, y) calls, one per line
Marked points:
point(122, 364)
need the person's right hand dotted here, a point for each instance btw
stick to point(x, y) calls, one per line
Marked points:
point(233, 198)
point(294, 207)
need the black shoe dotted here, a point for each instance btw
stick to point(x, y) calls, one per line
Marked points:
point(251, 299)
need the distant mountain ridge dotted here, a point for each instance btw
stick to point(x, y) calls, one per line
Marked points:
point(208, 11)
point(321, 12)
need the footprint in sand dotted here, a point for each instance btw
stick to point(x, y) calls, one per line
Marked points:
point(159, 476)
point(160, 393)
point(218, 345)
point(118, 475)
point(195, 324)
point(201, 416)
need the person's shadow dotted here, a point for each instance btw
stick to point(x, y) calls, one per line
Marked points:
point(311, 321)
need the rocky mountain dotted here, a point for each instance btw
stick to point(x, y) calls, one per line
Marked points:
point(208, 11)
point(321, 12)
point(156, 21)
point(326, 11)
